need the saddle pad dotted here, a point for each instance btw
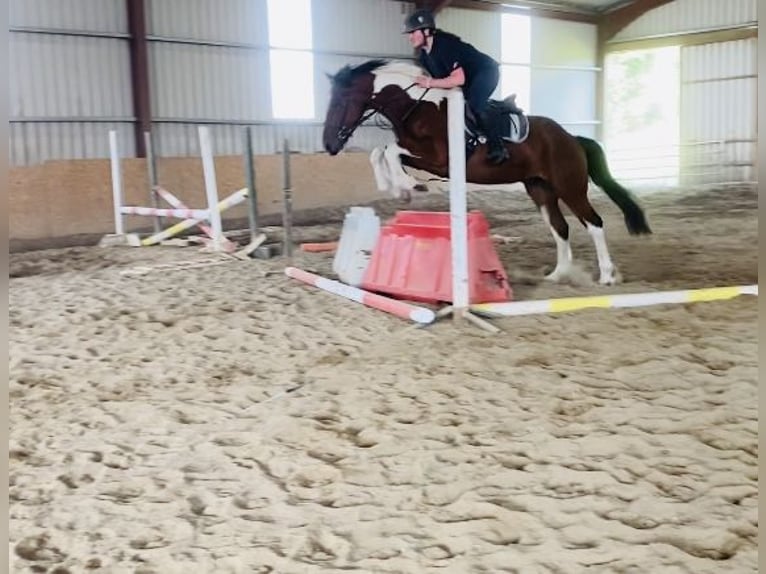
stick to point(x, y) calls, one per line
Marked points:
point(515, 127)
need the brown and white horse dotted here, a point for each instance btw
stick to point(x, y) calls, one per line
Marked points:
point(552, 164)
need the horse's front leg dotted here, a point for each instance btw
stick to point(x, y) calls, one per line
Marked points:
point(546, 201)
point(381, 170)
point(403, 184)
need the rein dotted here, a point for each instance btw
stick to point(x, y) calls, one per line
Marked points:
point(416, 104)
point(345, 132)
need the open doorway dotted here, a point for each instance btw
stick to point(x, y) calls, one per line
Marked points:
point(642, 116)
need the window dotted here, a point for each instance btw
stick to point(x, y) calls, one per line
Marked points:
point(642, 115)
point(516, 57)
point(291, 59)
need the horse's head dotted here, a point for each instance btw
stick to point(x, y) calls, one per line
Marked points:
point(352, 92)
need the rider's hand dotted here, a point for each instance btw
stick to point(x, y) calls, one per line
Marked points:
point(423, 81)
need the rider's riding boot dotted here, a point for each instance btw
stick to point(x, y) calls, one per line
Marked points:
point(497, 153)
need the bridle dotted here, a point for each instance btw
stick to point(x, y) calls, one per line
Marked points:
point(345, 132)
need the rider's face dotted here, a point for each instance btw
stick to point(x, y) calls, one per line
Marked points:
point(417, 38)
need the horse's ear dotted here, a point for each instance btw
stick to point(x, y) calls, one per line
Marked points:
point(330, 76)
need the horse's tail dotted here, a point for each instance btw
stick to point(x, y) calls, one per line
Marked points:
point(599, 173)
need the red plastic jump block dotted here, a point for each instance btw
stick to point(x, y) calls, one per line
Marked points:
point(412, 259)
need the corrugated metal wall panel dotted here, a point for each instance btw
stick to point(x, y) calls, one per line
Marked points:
point(209, 82)
point(720, 60)
point(237, 21)
point(105, 16)
point(32, 143)
point(717, 122)
point(719, 112)
point(564, 74)
point(367, 27)
point(480, 28)
point(564, 95)
point(182, 140)
point(73, 76)
point(229, 84)
point(682, 16)
point(563, 43)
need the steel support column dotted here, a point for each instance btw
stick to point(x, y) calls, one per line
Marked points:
point(139, 72)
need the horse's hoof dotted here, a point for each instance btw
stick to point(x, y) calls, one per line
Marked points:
point(610, 281)
point(612, 278)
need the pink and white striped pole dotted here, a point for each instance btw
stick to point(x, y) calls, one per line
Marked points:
point(232, 200)
point(398, 308)
point(179, 213)
point(227, 245)
point(176, 203)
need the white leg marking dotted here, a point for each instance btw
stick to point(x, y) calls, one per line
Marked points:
point(400, 179)
point(563, 251)
point(380, 169)
point(605, 265)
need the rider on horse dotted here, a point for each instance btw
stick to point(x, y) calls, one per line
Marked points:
point(453, 62)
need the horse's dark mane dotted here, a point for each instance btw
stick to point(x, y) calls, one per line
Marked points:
point(346, 74)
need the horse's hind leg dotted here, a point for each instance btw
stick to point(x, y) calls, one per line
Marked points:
point(548, 204)
point(583, 210)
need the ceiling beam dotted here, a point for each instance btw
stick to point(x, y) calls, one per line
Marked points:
point(612, 22)
point(519, 7)
point(432, 5)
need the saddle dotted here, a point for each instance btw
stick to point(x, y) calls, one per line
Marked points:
point(511, 122)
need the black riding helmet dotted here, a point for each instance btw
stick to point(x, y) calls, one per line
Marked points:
point(419, 20)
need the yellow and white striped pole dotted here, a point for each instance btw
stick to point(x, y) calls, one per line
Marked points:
point(567, 304)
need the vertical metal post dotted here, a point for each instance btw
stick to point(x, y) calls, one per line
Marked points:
point(287, 199)
point(252, 195)
point(151, 164)
point(139, 70)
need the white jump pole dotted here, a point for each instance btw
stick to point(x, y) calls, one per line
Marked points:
point(114, 155)
point(458, 203)
point(211, 187)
